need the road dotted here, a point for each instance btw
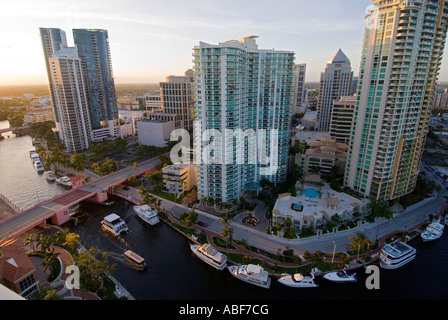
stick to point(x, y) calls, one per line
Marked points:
point(405, 220)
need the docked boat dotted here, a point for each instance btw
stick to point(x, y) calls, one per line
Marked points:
point(299, 280)
point(341, 276)
point(252, 274)
point(49, 175)
point(39, 166)
point(209, 255)
point(114, 224)
point(396, 254)
point(35, 157)
point(147, 214)
point(135, 260)
point(65, 181)
point(433, 232)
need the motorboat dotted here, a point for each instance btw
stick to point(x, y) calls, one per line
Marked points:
point(433, 232)
point(396, 254)
point(49, 175)
point(114, 224)
point(299, 280)
point(147, 214)
point(341, 276)
point(39, 166)
point(250, 273)
point(135, 260)
point(65, 181)
point(210, 255)
point(35, 157)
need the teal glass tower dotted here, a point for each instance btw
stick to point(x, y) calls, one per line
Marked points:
point(93, 49)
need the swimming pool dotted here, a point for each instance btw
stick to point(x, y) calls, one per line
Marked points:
point(297, 207)
point(311, 193)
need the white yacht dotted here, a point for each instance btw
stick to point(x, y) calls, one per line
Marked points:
point(49, 175)
point(433, 232)
point(39, 166)
point(209, 255)
point(299, 280)
point(396, 254)
point(341, 276)
point(147, 214)
point(252, 274)
point(114, 224)
point(65, 181)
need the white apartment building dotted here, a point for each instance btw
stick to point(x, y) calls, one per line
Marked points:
point(401, 59)
point(335, 82)
point(241, 87)
point(341, 120)
point(70, 99)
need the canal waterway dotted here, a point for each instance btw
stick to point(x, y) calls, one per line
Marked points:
point(174, 273)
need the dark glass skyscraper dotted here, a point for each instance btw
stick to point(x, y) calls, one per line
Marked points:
point(53, 40)
point(93, 49)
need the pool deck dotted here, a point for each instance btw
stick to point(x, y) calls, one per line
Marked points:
point(316, 207)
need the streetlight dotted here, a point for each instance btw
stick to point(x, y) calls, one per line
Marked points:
point(334, 250)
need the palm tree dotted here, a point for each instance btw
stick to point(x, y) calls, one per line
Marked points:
point(31, 241)
point(360, 242)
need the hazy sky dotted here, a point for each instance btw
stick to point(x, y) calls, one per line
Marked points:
point(150, 39)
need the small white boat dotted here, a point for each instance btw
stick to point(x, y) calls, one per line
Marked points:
point(341, 276)
point(39, 166)
point(35, 157)
point(396, 254)
point(135, 260)
point(49, 175)
point(210, 255)
point(147, 214)
point(114, 224)
point(299, 280)
point(252, 274)
point(433, 232)
point(65, 181)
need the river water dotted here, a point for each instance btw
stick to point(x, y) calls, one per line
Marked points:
point(174, 273)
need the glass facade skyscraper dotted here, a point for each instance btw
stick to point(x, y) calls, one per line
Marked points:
point(53, 40)
point(401, 58)
point(94, 51)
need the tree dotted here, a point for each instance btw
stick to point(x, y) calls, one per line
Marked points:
point(380, 208)
point(360, 242)
point(92, 265)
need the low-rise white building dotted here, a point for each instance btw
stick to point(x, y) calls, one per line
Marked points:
point(154, 133)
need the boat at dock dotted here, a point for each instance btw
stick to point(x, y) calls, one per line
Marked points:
point(147, 214)
point(39, 166)
point(65, 181)
point(299, 280)
point(396, 255)
point(341, 276)
point(210, 255)
point(49, 175)
point(250, 273)
point(433, 232)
